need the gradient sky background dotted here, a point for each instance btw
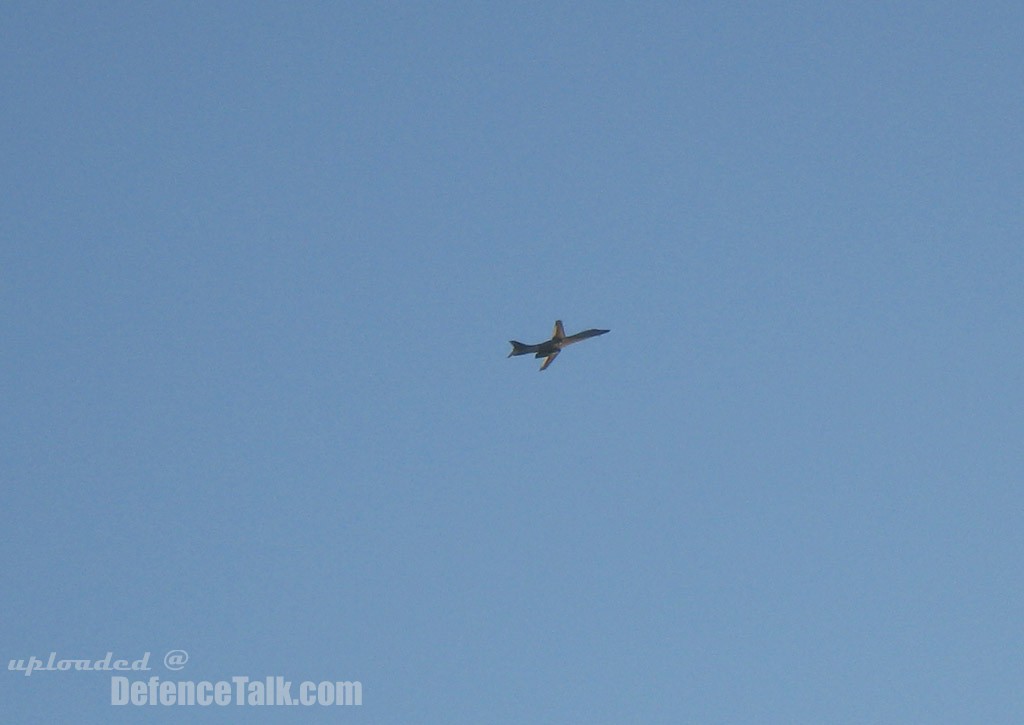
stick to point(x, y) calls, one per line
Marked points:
point(260, 262)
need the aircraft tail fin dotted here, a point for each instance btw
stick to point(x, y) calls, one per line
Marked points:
point(519, 348)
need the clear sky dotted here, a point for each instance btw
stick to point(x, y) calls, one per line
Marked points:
point(259, 263)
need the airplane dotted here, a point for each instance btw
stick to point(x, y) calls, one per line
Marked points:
point(550, 348)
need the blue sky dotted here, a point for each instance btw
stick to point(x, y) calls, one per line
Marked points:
point(260, 265)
